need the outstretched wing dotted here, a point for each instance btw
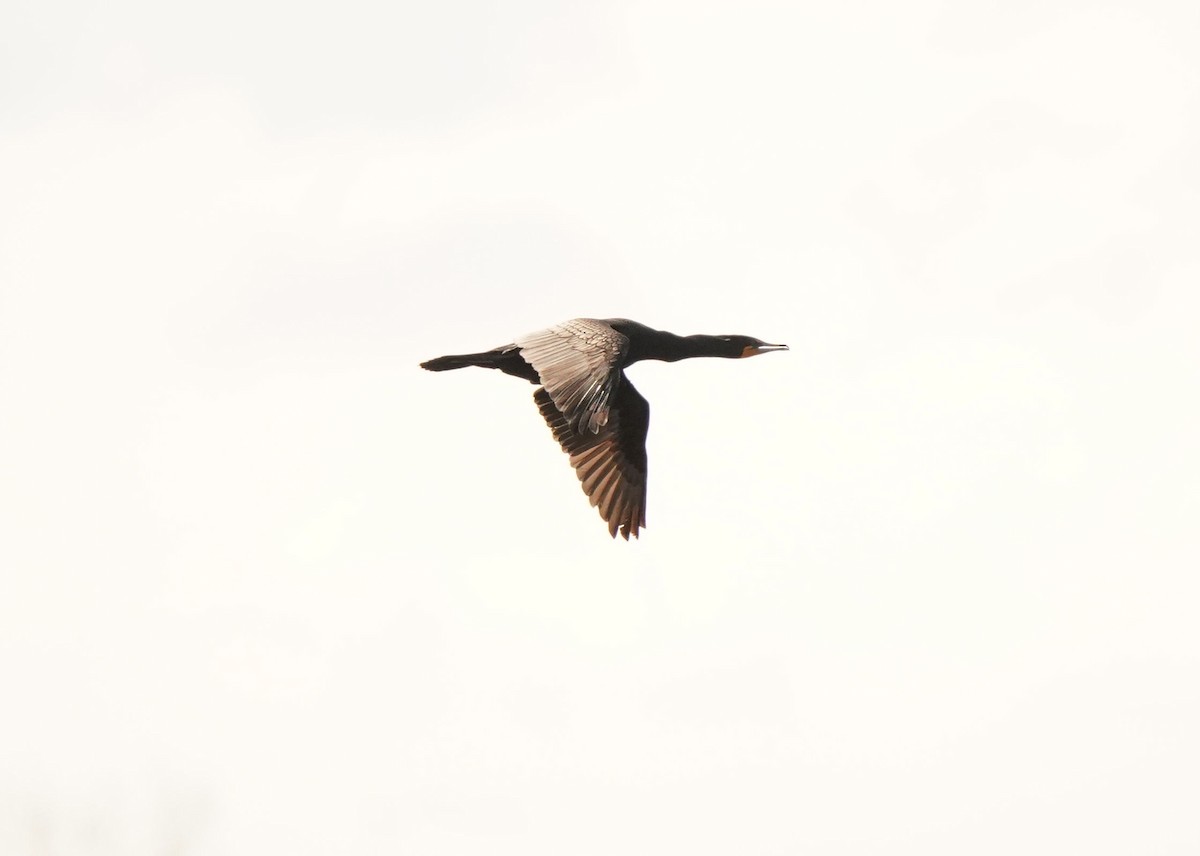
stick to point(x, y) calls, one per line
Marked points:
point(579, 363)
point(611, 464)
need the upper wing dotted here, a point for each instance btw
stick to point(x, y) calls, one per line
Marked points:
point(579, 364)
point(611, 464)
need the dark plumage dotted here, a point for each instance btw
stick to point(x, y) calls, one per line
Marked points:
point(596, 415)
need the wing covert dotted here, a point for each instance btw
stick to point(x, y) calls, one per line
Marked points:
point(579, 363)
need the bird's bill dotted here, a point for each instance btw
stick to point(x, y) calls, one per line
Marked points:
point(763, 348)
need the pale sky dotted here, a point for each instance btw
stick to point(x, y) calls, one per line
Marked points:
point(926, 584)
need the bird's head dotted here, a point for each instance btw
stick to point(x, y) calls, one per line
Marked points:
point(737, 347)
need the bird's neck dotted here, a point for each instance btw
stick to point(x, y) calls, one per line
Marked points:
point(670, 348)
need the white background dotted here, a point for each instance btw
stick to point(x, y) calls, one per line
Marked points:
point(925, 584)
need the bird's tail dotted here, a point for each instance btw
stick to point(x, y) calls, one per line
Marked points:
point(486, 360)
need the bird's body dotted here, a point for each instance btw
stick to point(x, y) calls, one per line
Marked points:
point(596, 415)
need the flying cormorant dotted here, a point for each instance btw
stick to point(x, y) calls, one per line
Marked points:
point(595, 413)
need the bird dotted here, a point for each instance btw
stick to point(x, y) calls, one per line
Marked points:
point(592, 409)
